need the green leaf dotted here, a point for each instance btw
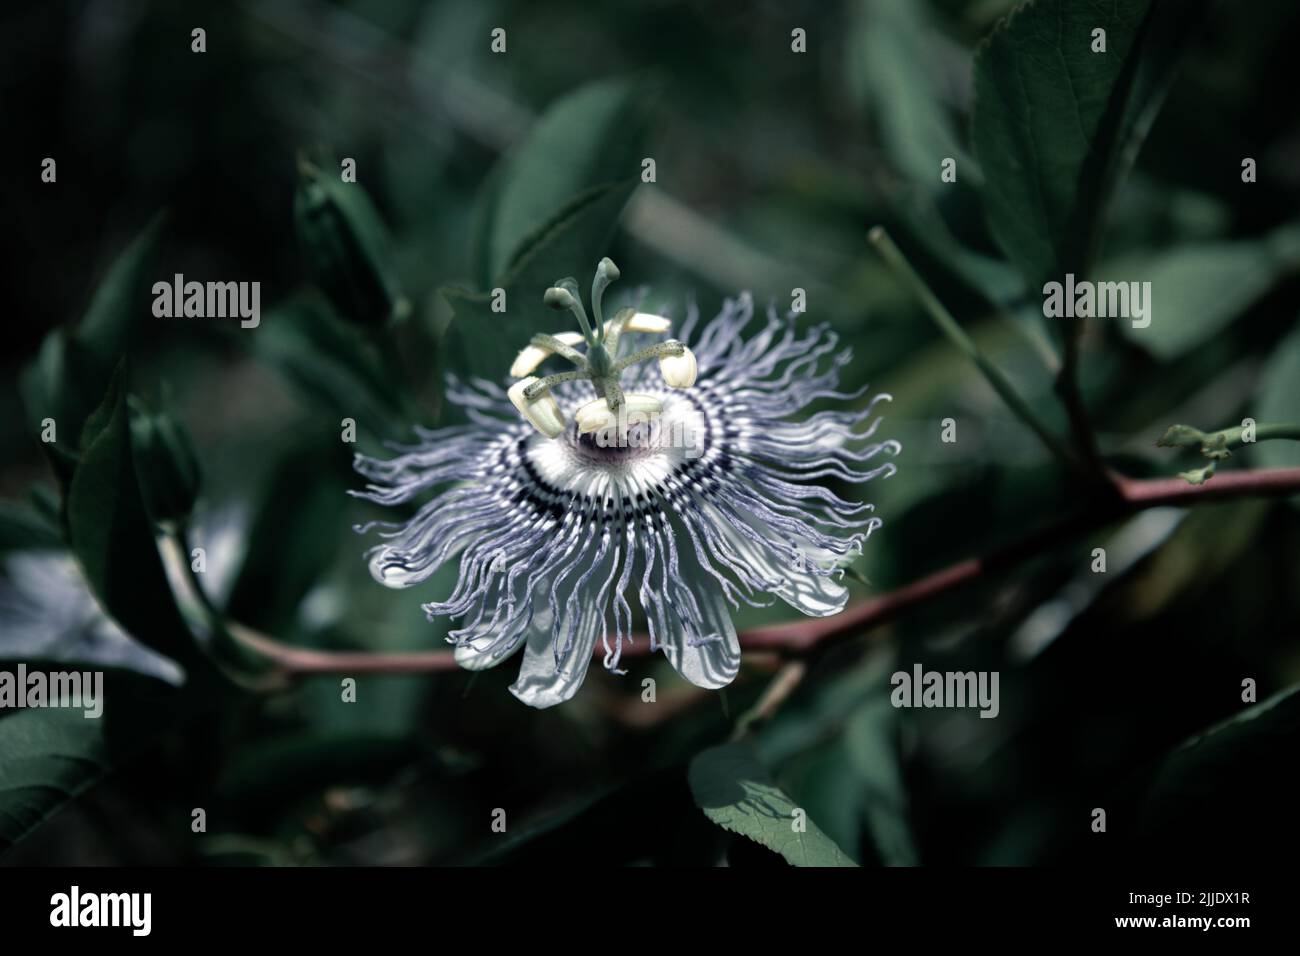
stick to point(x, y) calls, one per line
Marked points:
point(1197, 290)
point(1240, 770)
point(735, 792)
point(1278, 400)
point(892, 68)
point(121, 301)
point(347, 247)
point(23, 529)
point(1055, 124)
point(870, 737)
point(292, 540)
point(166, 464)
point(113, 539)
point(484, 342)
point(276, 771)
point(332, 362)
point(72, 371)
point(51, 756)
point(47, 759)
point(589, 138)
point(64, 384)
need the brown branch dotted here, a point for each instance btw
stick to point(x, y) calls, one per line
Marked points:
point(291, 660)
point(1127, 496)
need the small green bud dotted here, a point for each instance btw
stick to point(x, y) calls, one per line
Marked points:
point(1216, 447)
point(1181, 436)
point(166, 465)
point(347, 247)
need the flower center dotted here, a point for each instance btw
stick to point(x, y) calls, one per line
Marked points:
point(600, 364)
point(639, 455)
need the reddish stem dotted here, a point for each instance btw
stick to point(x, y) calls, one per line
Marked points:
point(801, 637)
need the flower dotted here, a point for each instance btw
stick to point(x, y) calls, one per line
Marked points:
point(681, 498)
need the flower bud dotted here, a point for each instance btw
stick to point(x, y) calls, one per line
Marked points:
point(347, 248)
point(166, 466)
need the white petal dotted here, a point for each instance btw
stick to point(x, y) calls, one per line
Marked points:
point(814, 594)
point(715, 662)
point(483, 656)
point(541, 683)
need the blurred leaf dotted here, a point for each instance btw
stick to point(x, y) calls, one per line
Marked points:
point(1055, 124)
point(1197, 290)
point(24, 529)
point(735, 792)
point(870, 738)
point(72, 371)
point(1275, 720)
point(113, 539)
point(166, 464)
point(1278, 400)
point(823, 782)
point(483, 225)
point(592, 137)
point(332, 362)
point(294, 538)
point(347, 247)
point(50, 756)
point(891, 65)
point(61, 384)
point(807, 720)
point(280, 770)
point(483, 342)
point(1239, 771)
point(121, 301)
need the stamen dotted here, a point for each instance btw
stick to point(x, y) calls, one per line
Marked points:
point(539, 350)
point(541, 411)
point(647, 322)
point(636, 408)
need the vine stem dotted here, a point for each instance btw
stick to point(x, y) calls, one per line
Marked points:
point(949, 326)
point(804, 637)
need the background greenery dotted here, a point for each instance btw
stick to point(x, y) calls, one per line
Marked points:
point(485, 170)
